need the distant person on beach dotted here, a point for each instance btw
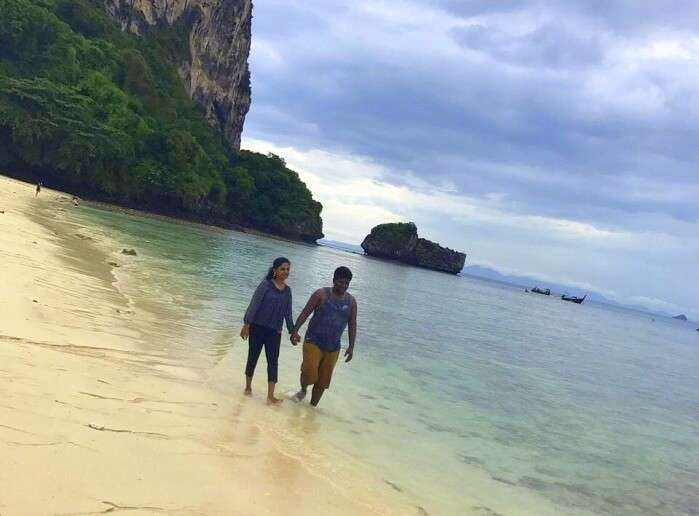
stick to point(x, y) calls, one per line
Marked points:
point(333, 310)
point(269, 308)
point(38, 188)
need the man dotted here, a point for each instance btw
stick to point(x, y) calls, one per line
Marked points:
point(333, 310)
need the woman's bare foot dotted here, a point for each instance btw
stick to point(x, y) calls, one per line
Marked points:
point(273, 400)
point(248, 385)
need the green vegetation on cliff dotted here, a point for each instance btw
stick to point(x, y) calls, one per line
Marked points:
point(395, 235)
point(87, 107)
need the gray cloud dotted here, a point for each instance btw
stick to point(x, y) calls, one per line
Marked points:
point(586, 111)
point(553, 45)
point(626, 16)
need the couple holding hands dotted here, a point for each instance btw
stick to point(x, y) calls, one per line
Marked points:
point(333, 310)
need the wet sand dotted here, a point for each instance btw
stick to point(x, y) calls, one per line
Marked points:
point(96, 417)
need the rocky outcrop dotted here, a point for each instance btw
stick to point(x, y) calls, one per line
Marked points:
point(400, 241)
point(680, 317)
point(215, 73)
point(434, 256)
point(392, 241)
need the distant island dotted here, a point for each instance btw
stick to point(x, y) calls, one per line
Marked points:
point(680, 317)
point(142, 104)
point(400, 242)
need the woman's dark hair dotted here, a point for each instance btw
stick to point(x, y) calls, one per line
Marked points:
point(275, 265)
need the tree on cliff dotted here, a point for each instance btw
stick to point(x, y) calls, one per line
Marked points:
point(98, 111)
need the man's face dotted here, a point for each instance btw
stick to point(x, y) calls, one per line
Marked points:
point(341, 285)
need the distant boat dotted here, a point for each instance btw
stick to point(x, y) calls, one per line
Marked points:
point(574, 299)
point(537, 290)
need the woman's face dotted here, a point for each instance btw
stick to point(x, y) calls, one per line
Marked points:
point(282, 272)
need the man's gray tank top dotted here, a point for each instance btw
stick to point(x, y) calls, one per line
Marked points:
point(329, 321)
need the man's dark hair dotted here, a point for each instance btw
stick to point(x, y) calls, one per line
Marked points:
point(342, 273)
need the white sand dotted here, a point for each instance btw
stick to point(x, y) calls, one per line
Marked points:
point(93, 419)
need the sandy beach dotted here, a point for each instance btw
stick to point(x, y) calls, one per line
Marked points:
point(97, 417)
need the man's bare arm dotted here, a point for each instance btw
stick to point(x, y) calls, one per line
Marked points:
point(313, 303)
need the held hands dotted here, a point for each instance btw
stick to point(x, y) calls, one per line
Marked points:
point(295, 338)
point(245, 332)
point(349, 353)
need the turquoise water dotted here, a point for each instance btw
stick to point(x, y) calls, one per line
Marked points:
point(468, 397)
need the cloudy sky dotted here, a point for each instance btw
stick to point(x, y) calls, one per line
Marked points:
point(555, 139)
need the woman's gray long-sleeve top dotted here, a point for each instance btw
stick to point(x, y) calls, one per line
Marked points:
point(270, 307)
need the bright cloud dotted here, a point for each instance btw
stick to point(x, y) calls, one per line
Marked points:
point(551, 138)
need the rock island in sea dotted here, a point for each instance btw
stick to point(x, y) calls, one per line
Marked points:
point(399, 241)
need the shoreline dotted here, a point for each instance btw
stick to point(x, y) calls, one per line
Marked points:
point(117, 208)
point(90, 198)
point(99, 417)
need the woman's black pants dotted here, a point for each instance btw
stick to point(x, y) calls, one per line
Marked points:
point(270, 339)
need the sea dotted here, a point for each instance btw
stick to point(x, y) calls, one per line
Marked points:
point(465, 396)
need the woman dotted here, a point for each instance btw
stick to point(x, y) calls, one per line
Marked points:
point(269, 307)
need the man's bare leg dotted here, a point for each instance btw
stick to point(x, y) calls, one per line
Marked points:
point(316, 394)
point(299, 396)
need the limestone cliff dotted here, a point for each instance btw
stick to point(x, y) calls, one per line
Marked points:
point(400, 241)
point(215, 73)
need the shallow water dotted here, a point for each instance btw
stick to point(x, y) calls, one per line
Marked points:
point(466, 396)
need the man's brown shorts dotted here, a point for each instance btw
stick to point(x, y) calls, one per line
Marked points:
point(317, 367)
